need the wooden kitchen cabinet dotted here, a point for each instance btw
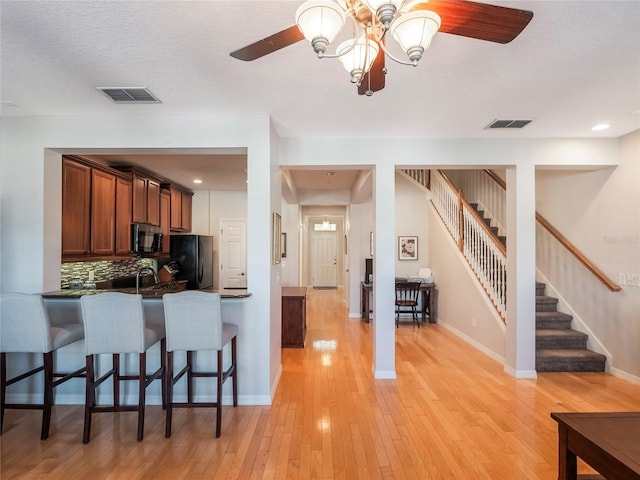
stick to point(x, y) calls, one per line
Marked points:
point(181, 208)
point(165, 219)
point(76, 198)
point(124, 195)
point(294, 316)
point(146, 198)
point(103, 213)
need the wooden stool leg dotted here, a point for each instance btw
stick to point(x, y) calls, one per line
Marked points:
point(116, 379)
point(189, 377)
point(3, 386)
point(89, 398)
point(163, 364)
point(235, 371)
point(219, 396)
point(169, 390)
point(47, 403)
point(142, 380)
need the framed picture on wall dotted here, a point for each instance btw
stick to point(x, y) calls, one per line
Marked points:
point(407, 248)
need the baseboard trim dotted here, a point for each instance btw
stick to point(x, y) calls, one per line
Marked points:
point(384, 374)
point(616, 372)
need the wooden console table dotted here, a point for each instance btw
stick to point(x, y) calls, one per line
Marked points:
point(294, 316)
point(608, 442)
point(429, 301)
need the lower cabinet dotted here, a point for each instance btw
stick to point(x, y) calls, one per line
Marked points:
point(294, 316)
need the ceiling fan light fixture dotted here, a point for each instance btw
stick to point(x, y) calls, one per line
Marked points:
point(320, 21)
point(385, 10)
point(414, 32)
point(357, 56)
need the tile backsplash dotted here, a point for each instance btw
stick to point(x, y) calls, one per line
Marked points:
point(105, 270)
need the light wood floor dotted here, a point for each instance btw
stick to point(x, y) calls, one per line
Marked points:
point(451, 414)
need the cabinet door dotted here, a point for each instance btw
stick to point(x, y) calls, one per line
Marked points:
point(124, 191)
point(103, 213)
point(153, 203)
point(176, 210)
point(76, 194)
point(186, 212)
point(139, 199)
point(165, 219)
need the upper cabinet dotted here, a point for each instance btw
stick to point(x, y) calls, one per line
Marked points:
point(146, 196)
point(181, 208)
point(96, 210)
point(103, 213)
point(99, 203)
point(124, 199)
point(76, 200)
point(165, 218)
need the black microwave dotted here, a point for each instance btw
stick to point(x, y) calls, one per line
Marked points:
point(145, 238)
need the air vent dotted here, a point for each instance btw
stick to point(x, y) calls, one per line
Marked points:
point(129, 94)
point(508, 124)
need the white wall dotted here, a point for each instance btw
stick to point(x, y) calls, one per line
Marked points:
point(411, 220)
point(462, 305)
point(30, 187)
point(599, 212)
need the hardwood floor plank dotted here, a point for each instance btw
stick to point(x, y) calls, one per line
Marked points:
point(452, 413)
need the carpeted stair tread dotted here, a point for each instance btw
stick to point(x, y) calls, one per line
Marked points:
point(560, 339)
point(569, 360)
point(553, 320)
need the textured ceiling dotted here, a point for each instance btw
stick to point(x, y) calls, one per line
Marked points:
point(575, 65)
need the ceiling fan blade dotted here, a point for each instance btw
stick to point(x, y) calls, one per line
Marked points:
point(269, 45)
point(478, 20)
point(374, 79)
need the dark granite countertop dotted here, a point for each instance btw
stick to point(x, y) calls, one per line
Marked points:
point(146, 292)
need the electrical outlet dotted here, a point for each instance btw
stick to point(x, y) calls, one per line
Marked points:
point(473, 322)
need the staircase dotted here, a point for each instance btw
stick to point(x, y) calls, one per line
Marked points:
point(494, 230)
point(558, 347)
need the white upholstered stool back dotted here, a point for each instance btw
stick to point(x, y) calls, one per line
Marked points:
point(25, 328)
point(193, 322)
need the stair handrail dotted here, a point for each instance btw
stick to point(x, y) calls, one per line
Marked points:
point(564, 241)
point(600, 275)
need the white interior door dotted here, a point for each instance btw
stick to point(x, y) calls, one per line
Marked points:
point(324, 260)
point(233, 253)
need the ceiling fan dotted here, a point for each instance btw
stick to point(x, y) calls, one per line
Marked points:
point(412, 23)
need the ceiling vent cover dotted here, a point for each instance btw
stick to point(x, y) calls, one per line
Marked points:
point(129, 94)
point(508, 124)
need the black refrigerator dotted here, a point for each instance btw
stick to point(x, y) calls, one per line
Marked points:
point(194, 254)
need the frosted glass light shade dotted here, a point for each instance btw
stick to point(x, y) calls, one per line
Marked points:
point(320, 19)
point(374, 5)
point(414, 31)
point(359, 59)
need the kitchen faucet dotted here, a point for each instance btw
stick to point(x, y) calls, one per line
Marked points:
point(145, 269)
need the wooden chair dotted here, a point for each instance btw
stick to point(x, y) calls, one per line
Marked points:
point(114, 324)
point(407, 300)
point(193, 322)
point(25, 328)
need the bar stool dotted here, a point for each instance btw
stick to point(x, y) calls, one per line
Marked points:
point(193, 322)
point(25, 328)
point(114, 323)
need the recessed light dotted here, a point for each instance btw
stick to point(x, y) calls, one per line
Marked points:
point(197, 180)
point(600, 126)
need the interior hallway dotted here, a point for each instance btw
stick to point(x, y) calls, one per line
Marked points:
point(451, 414)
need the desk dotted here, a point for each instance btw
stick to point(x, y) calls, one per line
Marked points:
point(608, 442)
point(429, 301)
